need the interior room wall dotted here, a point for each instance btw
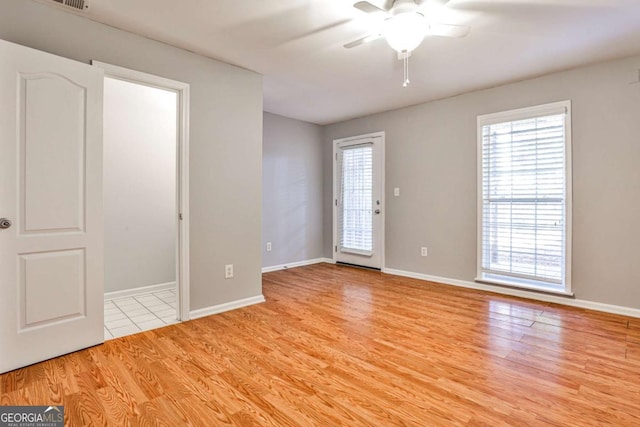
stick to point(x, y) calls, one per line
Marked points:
point(431, 157)
point(292, 191)
point(225, 138)
point(139, 185)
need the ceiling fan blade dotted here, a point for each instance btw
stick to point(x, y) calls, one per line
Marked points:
point(371, 9)
point(444, 30)
point(319, 30)
point(526, 6)
point(363, 40)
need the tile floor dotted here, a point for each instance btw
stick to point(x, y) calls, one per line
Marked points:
point(130, 315)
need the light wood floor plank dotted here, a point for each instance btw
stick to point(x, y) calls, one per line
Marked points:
point(336, 346)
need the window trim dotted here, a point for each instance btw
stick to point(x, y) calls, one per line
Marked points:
point(519, 114)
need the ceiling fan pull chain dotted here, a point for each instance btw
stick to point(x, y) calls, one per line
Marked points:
point(406, 69)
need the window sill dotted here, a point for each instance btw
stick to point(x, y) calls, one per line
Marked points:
point(528, 285)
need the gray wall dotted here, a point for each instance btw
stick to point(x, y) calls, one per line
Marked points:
point(292, 180)
point(225, 138)
point(431, 156)
point(139, 185)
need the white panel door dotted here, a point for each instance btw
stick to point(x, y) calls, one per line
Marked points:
point(51, 274)
point(358, 201)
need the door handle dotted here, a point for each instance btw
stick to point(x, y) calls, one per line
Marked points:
point(377, 211)
point(5, 223)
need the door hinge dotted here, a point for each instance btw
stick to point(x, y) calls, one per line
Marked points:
point(336, 202)
point(180, 216)
point(335, 249)
point(336, 156)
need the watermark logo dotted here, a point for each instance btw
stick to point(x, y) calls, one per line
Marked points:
point(31, 416)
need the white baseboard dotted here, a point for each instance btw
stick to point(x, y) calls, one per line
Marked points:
point(141, 290)
point(597, 306)
point(227, 306)
point(296, 264)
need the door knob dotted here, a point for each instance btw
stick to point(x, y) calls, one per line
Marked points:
point(377, 211)
point(5, 223)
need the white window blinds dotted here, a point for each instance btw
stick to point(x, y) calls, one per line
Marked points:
point(523, 207)
point(355, 213)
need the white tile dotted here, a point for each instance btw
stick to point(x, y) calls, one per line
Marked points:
point(157, 303)
point(118, 324)
point(107, 334)
point(112, 311)
point(151, 324)
point(110, 317)
point(170, 319)
point(143, 318)
point(146, 298)
point(165, 294)
point(123, 300)
point(130, 307)
point(129, 302)
point(159, 308)
point(126, 330)
point(137, 308)
point(125, 316)
point(165, 313)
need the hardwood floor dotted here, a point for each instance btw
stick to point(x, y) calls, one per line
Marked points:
point(337, 346)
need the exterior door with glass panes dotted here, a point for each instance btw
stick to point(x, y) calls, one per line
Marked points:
point(358, 200)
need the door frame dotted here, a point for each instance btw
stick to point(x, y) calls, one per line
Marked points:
point(381, 138)
point(182, 176)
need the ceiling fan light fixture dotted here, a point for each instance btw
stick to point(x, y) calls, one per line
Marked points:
point(404, 32)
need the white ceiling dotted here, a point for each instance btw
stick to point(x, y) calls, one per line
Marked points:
point(298, 46)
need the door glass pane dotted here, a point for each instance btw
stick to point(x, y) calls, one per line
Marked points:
point(356, 191)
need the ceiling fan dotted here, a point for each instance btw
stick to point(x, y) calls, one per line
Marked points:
point(405, 23)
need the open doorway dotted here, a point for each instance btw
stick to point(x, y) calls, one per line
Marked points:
point(146, 285)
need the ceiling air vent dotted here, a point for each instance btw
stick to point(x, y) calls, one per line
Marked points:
point(80, 5)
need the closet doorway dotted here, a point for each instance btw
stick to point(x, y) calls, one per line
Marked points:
point(145, 201)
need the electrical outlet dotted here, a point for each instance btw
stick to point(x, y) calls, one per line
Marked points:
point(228, 271)
point(396, 192)
point(268, 246)
point(423, 251)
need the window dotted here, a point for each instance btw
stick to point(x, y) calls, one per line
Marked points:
point(524, 197)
